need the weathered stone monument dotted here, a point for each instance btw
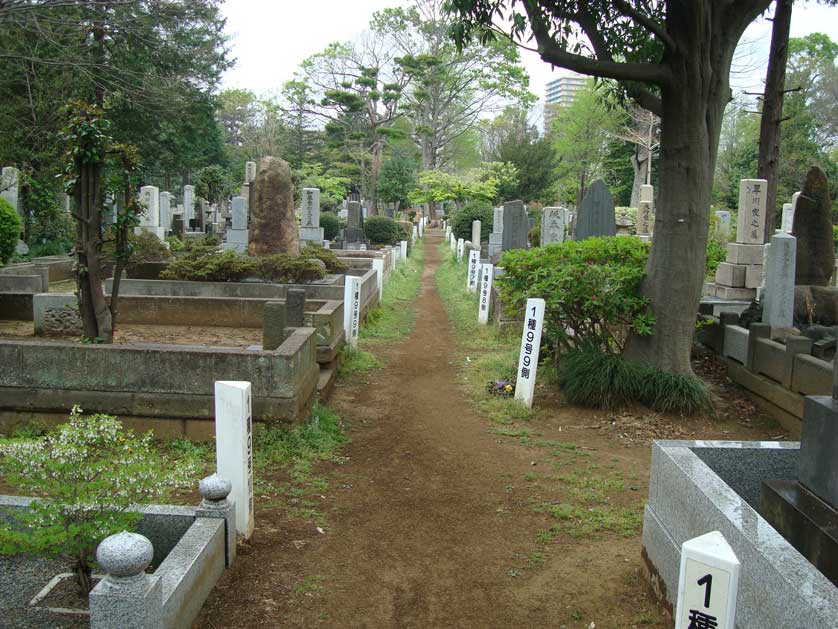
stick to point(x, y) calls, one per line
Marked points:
point(166, 211)
point(310, 230)
point(273, 225)
point(515, 226)
point(188, 206)
point(475, 233)
point(353, 234)
point(150, 218)
point(813, 229)
point(778, 302)
point(645, 212)
point(295, 300)
point(741, 274)
point(496, 237)
point(237, 235)
point(553, 225)
point(596, 213)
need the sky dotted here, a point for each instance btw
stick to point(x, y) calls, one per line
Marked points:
point(269, 39)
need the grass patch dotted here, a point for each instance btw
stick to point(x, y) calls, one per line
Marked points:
point(295, 450)
point(310, 586)
point(392, 318)
point(354, 362)
point(589, 378)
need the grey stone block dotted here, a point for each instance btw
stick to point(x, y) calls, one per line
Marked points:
point(732, 275)
point(739, 253)
point(736, 343)
point(295, 306)
point(819, 443)
point(274, 324)
point(133, 603)
point(515, 226)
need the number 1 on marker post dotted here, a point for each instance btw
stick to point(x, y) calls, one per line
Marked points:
point(530, 346)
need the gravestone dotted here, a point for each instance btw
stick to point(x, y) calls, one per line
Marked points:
point(460, 248)
point(234, 447)
point(475, 233)
point(496, 237)
point(238, 234)
point(295, 302)
point(188, 204)
point(274, 322)
point(787, 222)
point(273, 224)
point(515, 226)
point(645, 212)
point(813, 230)
point(166, 210)
point(355, 215)
point(750, 225)
point(310, 230)
point(596, 213)
point(177, 225)
point(723, 228)
point(150, 197)
point(553, 223)
point(390, 212)
point(249, 172)
point(778, 303)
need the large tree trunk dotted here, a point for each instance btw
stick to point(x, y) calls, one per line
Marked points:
point(95, 313)
point(693, 106)
point(375, 169)
point(772, 110)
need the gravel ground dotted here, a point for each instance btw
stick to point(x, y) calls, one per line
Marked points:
point(21, 578)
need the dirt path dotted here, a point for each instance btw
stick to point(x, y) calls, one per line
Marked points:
point(425, 524)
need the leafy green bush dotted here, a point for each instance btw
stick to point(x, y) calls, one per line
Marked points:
point(227, 266)
point(148, 248)
point(462, 219)
point(591, 289)
point(175, 244)
point(87, 475)
point(382, 230)
point(330, 224)
point(286, 269)
point(592, 379)
point(326, 256)
point(716, 247)
point(9, 231)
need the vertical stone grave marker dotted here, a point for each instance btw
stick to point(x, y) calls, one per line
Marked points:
point(788, 218)
point(596, 213)
point(750, 226)
point(310, 230)
point(778, 303)
point(403, 249)
point(530, 347)
point(460, 248)
point(352, 309)
point(453, 242)
point(249, 172)
point(188, 205)
point(645, 212)
point(553, 222)
point(234, 447)
point(723, 227)
point(150, 196)
point(486, 275)
point(475, 233)
point(708, 584)
point(473, 270)
point(515, 226)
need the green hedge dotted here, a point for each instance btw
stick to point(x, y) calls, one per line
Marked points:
point(462, 219)
point(382, 230)
point(9, 231)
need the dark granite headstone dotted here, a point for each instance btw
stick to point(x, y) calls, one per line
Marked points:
point(273, 325)
point(515, 226)
point(295, 302)
point(813, 229)
point(596, 213)
point(390, 212)
point(353, 235)
point(355, 215)
point(177, 225)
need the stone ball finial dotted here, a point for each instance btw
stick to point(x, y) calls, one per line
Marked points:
point(125, 554)
point(214, 488)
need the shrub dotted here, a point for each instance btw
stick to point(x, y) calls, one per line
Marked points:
point(716, 247)
point(382, 230)
point(175, 244)
point(474, 211)
point(148, 248)
point(330, 224)
point(592, 379)
point(86, 474)
point(286, 269)
point(227, 266)
point(326, 256)
point(9, 231)
point(591, 289)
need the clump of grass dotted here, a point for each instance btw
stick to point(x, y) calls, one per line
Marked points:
point(589, 378)
point(392, 318)
point(356, 361)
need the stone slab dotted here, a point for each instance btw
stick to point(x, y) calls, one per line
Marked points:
point(732, 275)
point(738, 253)
point(819, 468)
point(736, 343)
point(735, 293)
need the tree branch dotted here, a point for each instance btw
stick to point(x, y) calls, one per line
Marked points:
point(646, 22)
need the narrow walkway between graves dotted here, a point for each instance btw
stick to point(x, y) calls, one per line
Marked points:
point(425, 527)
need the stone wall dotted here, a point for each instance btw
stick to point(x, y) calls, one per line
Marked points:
point(156, 381)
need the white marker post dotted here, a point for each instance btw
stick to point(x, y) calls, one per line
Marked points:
point(708, 583)
point(403, 249)
point(473, 268)
point(378, 266)
point(234, 447)
point(453, 242)
point(487, 272)
point(351, 309)
point(530, 346)
point(461, 246)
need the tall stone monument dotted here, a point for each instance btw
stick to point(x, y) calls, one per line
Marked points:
point(596, 213)
point(237, 235)
point(553, 225)
point(813, 229)
point(166, 210)
point(750, 226)
point(778, 303)
point(150, 218)
point(273, 224)
point(496, 237)
point(310, 230)
point(515, 226)
point(475, 233)
point(645, 212)
point(188, 205)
